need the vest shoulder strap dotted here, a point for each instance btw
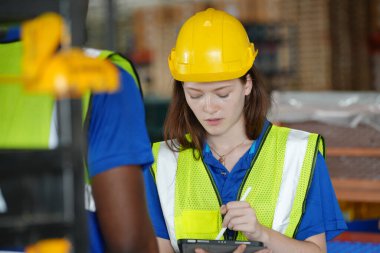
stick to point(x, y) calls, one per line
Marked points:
point(164, 169)
point(123, 62)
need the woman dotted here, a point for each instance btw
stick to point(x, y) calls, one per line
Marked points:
point(218, 143)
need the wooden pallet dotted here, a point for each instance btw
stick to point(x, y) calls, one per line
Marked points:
point(353, 159)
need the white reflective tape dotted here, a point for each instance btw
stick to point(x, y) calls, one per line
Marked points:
point(89, 203)
point(53, 137)
point(296, 146)
point(165, 180)
point(3, 204)
point(92, 52)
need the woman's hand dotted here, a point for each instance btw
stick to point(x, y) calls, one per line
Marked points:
point(240, 216)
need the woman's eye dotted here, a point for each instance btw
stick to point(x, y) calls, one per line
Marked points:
point(223, 95)
point(195, 96)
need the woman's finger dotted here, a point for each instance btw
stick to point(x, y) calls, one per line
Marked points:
point(264, 251)
point(237, 204)
point(238, 213)
point(240, 249)
point(223, 209)
point(239, 222)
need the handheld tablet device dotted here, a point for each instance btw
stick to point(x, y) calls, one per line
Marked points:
point(216, 246)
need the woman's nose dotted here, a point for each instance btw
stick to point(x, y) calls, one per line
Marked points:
point(210, 105)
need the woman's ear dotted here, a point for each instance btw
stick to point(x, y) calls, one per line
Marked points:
point(248, 85)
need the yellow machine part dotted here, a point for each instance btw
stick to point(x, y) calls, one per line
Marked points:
point(41, 37)
point(71, 73)
point(50, 246)
point(51, 66)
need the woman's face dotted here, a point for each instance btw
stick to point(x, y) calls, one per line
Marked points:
point(218, 106)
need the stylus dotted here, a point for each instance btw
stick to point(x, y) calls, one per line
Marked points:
point(245, 195)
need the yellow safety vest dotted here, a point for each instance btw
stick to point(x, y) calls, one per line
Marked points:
point(280, 175)
point(26, 120)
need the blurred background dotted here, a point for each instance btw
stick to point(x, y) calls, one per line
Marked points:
point(303, 45)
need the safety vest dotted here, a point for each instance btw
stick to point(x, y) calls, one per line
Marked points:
point(27, 121)
point(280, 175)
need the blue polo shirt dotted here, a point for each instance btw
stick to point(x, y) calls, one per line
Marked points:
point(117, 136)
point(322, 213)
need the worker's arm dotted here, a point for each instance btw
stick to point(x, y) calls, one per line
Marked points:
point(240, 216)
point(278, 242)
point(156, 214)
point(164, 245)
point(121, 210)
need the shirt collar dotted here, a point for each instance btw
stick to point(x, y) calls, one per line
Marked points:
point(207, 151)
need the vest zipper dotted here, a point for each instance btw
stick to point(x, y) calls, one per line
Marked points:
point(214, 187)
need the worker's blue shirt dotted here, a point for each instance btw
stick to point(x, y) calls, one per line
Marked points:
point(12, 34)
point(117, 133)
point(322, 214)
point(117, 136)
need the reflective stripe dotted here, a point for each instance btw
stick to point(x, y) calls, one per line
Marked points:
point(92, 52)
point(89, 203)
point(165, 180)
point(53, 137)
point(88, 198)
point(296, 146)
point(3, 204)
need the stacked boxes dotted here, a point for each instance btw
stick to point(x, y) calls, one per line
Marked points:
point(375, 42)
point(314, 65)
point(349, 40)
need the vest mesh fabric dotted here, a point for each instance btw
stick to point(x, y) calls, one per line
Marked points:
point(265, 176)
point(196, 216)
point(155, 149)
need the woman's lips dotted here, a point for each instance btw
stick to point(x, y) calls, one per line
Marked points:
point(213, 122)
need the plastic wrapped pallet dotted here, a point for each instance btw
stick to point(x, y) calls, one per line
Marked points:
point(347, 109)
point(350, 125)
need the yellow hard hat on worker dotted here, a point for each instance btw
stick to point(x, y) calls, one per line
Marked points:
point(211, 46)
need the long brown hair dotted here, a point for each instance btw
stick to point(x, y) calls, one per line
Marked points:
point(180, 119)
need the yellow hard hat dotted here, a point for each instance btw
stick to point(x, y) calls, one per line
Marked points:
point(211, 46)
